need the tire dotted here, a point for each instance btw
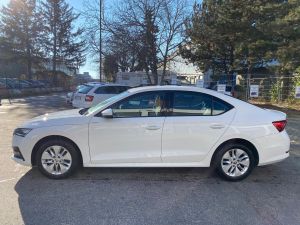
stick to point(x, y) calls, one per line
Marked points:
point(57, 158)
point(234, 162)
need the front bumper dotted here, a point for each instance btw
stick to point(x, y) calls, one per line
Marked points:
point(20, 161)
point(22, 149)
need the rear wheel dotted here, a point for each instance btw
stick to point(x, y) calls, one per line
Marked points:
point(57, 158)
point(234, 162)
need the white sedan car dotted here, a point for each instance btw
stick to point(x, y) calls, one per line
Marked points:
point(89, 95)
point(159, 126)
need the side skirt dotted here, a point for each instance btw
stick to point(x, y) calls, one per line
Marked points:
point(192, 164)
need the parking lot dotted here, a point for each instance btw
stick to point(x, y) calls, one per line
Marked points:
point(271, 195)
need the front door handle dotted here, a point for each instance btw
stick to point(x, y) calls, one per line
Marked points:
point(152, 127)
point(217, 126)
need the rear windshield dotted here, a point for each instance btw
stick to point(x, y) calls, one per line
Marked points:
point(85, 89)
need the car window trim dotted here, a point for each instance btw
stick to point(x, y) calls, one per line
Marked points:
point(169, 98)
point(124, 99)
point(186, 91)
point(212, 104)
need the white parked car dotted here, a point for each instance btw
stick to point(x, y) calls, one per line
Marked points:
point(91, 94)
point(70, 95)
point(158, 126)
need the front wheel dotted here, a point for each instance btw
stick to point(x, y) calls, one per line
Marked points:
point(57, 158)
point(235, 162)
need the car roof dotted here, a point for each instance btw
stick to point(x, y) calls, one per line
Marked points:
point(109, 85)
point(168, 88)
point(227, 98)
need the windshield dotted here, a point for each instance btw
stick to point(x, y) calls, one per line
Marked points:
point(106, 103)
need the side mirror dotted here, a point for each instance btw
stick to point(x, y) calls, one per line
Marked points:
point(107, 113)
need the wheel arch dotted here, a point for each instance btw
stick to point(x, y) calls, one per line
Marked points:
point(51, 137)
point(237, 141)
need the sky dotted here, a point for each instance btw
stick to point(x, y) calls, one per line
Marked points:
point(78, 5)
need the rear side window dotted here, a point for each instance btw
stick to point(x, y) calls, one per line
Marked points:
point(84, 89)
point(106, 90)
point(220, 106)
point(191, 104)
point(121, 89)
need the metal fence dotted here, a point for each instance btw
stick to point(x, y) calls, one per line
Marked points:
point(274, 89)
point(262, 88)
point(13, 87)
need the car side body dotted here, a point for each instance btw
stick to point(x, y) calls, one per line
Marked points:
point(159, 141)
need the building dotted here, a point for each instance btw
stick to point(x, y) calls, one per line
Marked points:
point(183, 69)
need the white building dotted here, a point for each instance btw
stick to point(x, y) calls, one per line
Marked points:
point(178, 71)
point(184, 69)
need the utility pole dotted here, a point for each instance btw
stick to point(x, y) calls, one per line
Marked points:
point(100, 46)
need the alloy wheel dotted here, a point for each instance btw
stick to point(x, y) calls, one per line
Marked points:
point(56, 160)
point(235, 162)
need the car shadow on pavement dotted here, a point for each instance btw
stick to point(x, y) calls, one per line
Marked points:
point(46, 201)
point(147, 195)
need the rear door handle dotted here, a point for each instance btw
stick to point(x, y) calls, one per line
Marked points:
point(217, 126)
point(152, 127)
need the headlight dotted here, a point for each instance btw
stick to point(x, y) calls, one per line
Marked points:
point(22, 131)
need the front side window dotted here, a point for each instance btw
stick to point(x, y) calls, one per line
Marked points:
point(149, 104)
point(102, 105)
point(191, 104)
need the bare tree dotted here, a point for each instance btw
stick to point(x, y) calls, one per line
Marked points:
point(91, 14)
point(172, 17)
point(141, 34)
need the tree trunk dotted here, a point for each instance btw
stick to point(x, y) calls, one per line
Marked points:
point(164, 64)
point(29, 64)
point(54, 74)
point(28, 57)
point(148, 76)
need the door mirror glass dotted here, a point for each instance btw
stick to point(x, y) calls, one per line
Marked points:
point(107, 113)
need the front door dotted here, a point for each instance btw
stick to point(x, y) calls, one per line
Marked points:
point(133, 135)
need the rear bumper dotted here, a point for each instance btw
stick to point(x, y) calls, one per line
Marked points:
point(273, 148)
point(275, 160)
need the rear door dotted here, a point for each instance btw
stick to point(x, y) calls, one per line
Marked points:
point(193, 126)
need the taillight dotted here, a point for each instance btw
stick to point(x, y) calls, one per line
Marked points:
point(280, 125)
point(89, 98)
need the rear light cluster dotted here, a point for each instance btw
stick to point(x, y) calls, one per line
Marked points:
point(89, 98)
point(280, 125)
